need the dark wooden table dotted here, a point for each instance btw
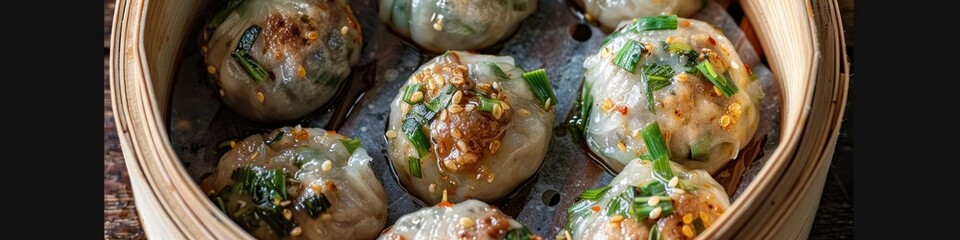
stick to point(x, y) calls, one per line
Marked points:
point(121, 220)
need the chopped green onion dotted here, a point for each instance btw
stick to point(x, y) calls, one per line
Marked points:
point(578, 123)
point(242, 54)
point(218, 200)
point(613, 207)
point(629, 55)
point(246, 218)
point(497, 71)
point(443, 98)
point(679, 47)
point(414, 165)
point(327, 79)
point(307, 154)
point(316, 204)
point(263, 185)
point(522, 233)
point(698, 226)
point(222, 14)
point(410, 90)
point(351, 144)
point(689, 59)
point(487, 104)
point(411, 128)
point(275, 219)
point(594, 194)
point(422, 114)
point(653, 138)
point(658, 76)
point(665, 22)
point(477, 93)
point(642, 209)
point(652, 188)
point(540, 86)
point(700, 150)
point(276, 138)
point(520, 6)
point(654, 233)
point(722, 82)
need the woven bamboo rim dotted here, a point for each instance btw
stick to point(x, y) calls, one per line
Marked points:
point(803, 42)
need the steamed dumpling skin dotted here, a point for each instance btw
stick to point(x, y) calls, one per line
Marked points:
point(472, 154)
point(305, 48)
point(699, 195)
point(358, 203)
point(611, 12)
point(440, 25)
point(470, 219)
point(703, 130)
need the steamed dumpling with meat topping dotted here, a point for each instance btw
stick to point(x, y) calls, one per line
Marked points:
point(470, 219)
point(438, 26)
point(300, 182)
point(679, 72)
point(279, 60)
point(649, 200)
point(611, 12)
point(474, 125)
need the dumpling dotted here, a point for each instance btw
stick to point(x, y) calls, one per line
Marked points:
point(438, 26)
point(470, 219)
point(655, 199)
point(474, 125)
point(279, 60)
point(679, 72)
point(611, 12)
point(300, 182)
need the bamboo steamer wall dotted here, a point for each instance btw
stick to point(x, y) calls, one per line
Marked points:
point(802, 40)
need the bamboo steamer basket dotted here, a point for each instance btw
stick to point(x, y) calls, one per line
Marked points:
point(802, 41)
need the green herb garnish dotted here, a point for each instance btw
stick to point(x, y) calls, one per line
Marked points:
point(540, 86)
point(316, 204)
point(242, 54)
point(594, 194)
point(522, 233)
point(410, 90)
point(350, 144)
point(629, 55)
point(414, 165)
point(722, 82)
point(414, 133)
point(653, 138)
point(497, 71)
point(642, 209)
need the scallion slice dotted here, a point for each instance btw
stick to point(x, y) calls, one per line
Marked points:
point(222, 14)
point(540, 86)
point(410, 89)
point(664, 22)
point(722, 82)
point(629, 55)
point(275, 219)
point(653, 138)
point(350, 144)
point(700, 150)
point(242, 55)
point(522, 233)
point(594, 194)
point(642, 209)
point(442, 99)
point(276, 138)
point(316, 204)
point(679, 47)
point(411, 128)
point(487, 104)
point(652, 188)
point(654, 233)
point(613, 208)
point(414, 165)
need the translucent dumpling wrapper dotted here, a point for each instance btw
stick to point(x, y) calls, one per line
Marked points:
point(624, 209)
point(440, 25)
point(474, 125)
point(470, 219)
point(299, 182)
point(681, 73)
point(609, 13)
point(279, 60)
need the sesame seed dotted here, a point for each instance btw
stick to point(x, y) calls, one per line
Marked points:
point(490, 178)
point(405, 108)
point(457, 80)
point(705, 218)
point(679, 191)
point(416, 97)
point(673, 182)
point(443, 115)
point(524, 112)
point(438, 79)
point(327, 165)
point(656, 213)
point(450, 164)
point(687, 231)
point(437, 26)
point(313, 35)
point(260, 97)
point(607, 105)
point(725, 121)
point(344, 30)
point(496, 85)
point(296, 231)
point(433, 187)
point(287, 213)
point(456, 133)
point(316, 187)
point(645, 162)
point(284, 203)
point(470, 107)
point(734, 108)
point(466, 222)
point(623, 147)
point(504, 105)
point(222, 92)
point(211, 69)
point(616, 219)
point(688, 218)
point(457, 96)
point(211, 192)
point(301, 72)
point(255, 154)
point(614, 225)
point(717, 91)
point(454, 108)
point(636, 133)
point(494, 146)
point(326, 217)
point(546, 104)
point(734, 65)
point(653, 201)
point(276, 201)
point(682, 77)
point(391, 134)
point(497, 111)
